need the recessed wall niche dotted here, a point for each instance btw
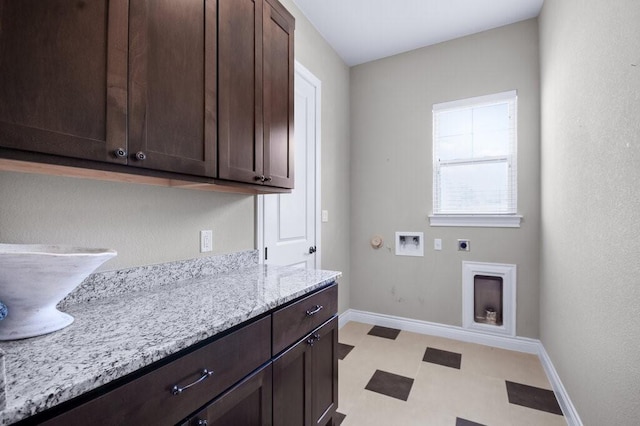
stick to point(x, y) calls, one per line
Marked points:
point(409, 243)
point(489, 297)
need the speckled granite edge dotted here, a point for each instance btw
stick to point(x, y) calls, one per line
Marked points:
point(112, 283)
point(3, 383)
point(98, 348)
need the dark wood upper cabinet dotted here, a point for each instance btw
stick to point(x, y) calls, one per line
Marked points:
point(193, 89)
point(63, 84)
point(255, 95)
point(172, 85)
point(240, 142)
point(278, 69)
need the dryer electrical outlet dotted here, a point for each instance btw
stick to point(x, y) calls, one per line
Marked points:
point(464, 245)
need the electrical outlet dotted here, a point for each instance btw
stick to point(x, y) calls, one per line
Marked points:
point(206, 241)
point(437, 244)
point(464, 245)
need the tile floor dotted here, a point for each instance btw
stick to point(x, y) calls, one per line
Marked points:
point(393, 377)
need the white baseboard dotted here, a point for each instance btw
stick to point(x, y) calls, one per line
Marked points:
point(519, 344)
point(568, 409)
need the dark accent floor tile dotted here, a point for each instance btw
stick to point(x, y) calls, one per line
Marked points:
point(385, 332)
point(343, 350)
point(532, 397)
point(390, 384)
point(339, 418)
point(464, 422)
point(440, 357)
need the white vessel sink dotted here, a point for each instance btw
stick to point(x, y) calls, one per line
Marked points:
point(34, 278)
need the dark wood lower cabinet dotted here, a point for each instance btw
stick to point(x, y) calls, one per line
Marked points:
point(151, 400)
point(247, 404)
point(292, 392)
point(305, 377)
point(234, 380)
point(324, 374)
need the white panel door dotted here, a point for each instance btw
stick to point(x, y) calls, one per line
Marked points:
point(290, 220)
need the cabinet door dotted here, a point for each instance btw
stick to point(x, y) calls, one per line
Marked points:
point(278, 68)
point(324, 373)
point(172, 85)
point(240, 139)
point(305, 380)
point(246, 404)
point(292, 386)
point(63, 84)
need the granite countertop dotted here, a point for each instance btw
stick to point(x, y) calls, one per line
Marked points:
point(119, 334)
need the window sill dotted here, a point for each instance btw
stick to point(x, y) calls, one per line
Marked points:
point(476, 220)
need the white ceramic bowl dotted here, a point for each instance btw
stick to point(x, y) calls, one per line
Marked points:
point(34, 278)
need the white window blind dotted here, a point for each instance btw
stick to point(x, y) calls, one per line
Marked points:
point(474, 156)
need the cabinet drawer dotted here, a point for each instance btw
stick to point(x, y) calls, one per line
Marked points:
point(149, 399)
point(298, 319)
point(247, 404)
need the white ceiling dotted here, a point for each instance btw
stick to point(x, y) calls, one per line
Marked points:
point(365, 30)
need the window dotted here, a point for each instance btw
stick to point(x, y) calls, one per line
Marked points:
point(474, 162)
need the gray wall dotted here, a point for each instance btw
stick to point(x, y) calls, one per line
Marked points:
point(148, 224)
point(391, 174)
point(144, 224)
point(315, 54)
point(590, 264)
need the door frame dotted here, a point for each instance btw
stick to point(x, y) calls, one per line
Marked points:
point(303, 72)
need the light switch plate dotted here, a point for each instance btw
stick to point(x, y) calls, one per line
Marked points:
point(325, 215)
point(437, 244)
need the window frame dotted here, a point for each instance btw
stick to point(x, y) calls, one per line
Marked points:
point(478, 219)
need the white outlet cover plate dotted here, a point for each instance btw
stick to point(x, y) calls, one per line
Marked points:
point(206, 241)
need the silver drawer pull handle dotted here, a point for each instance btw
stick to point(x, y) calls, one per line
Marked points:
point(315, 310)
point(177, 390)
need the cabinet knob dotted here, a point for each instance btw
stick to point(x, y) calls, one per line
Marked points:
point(260, 178)
point(202, 422)
point(120, 153)
point(140, 156)
point(269, 179)
point(313, 338)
